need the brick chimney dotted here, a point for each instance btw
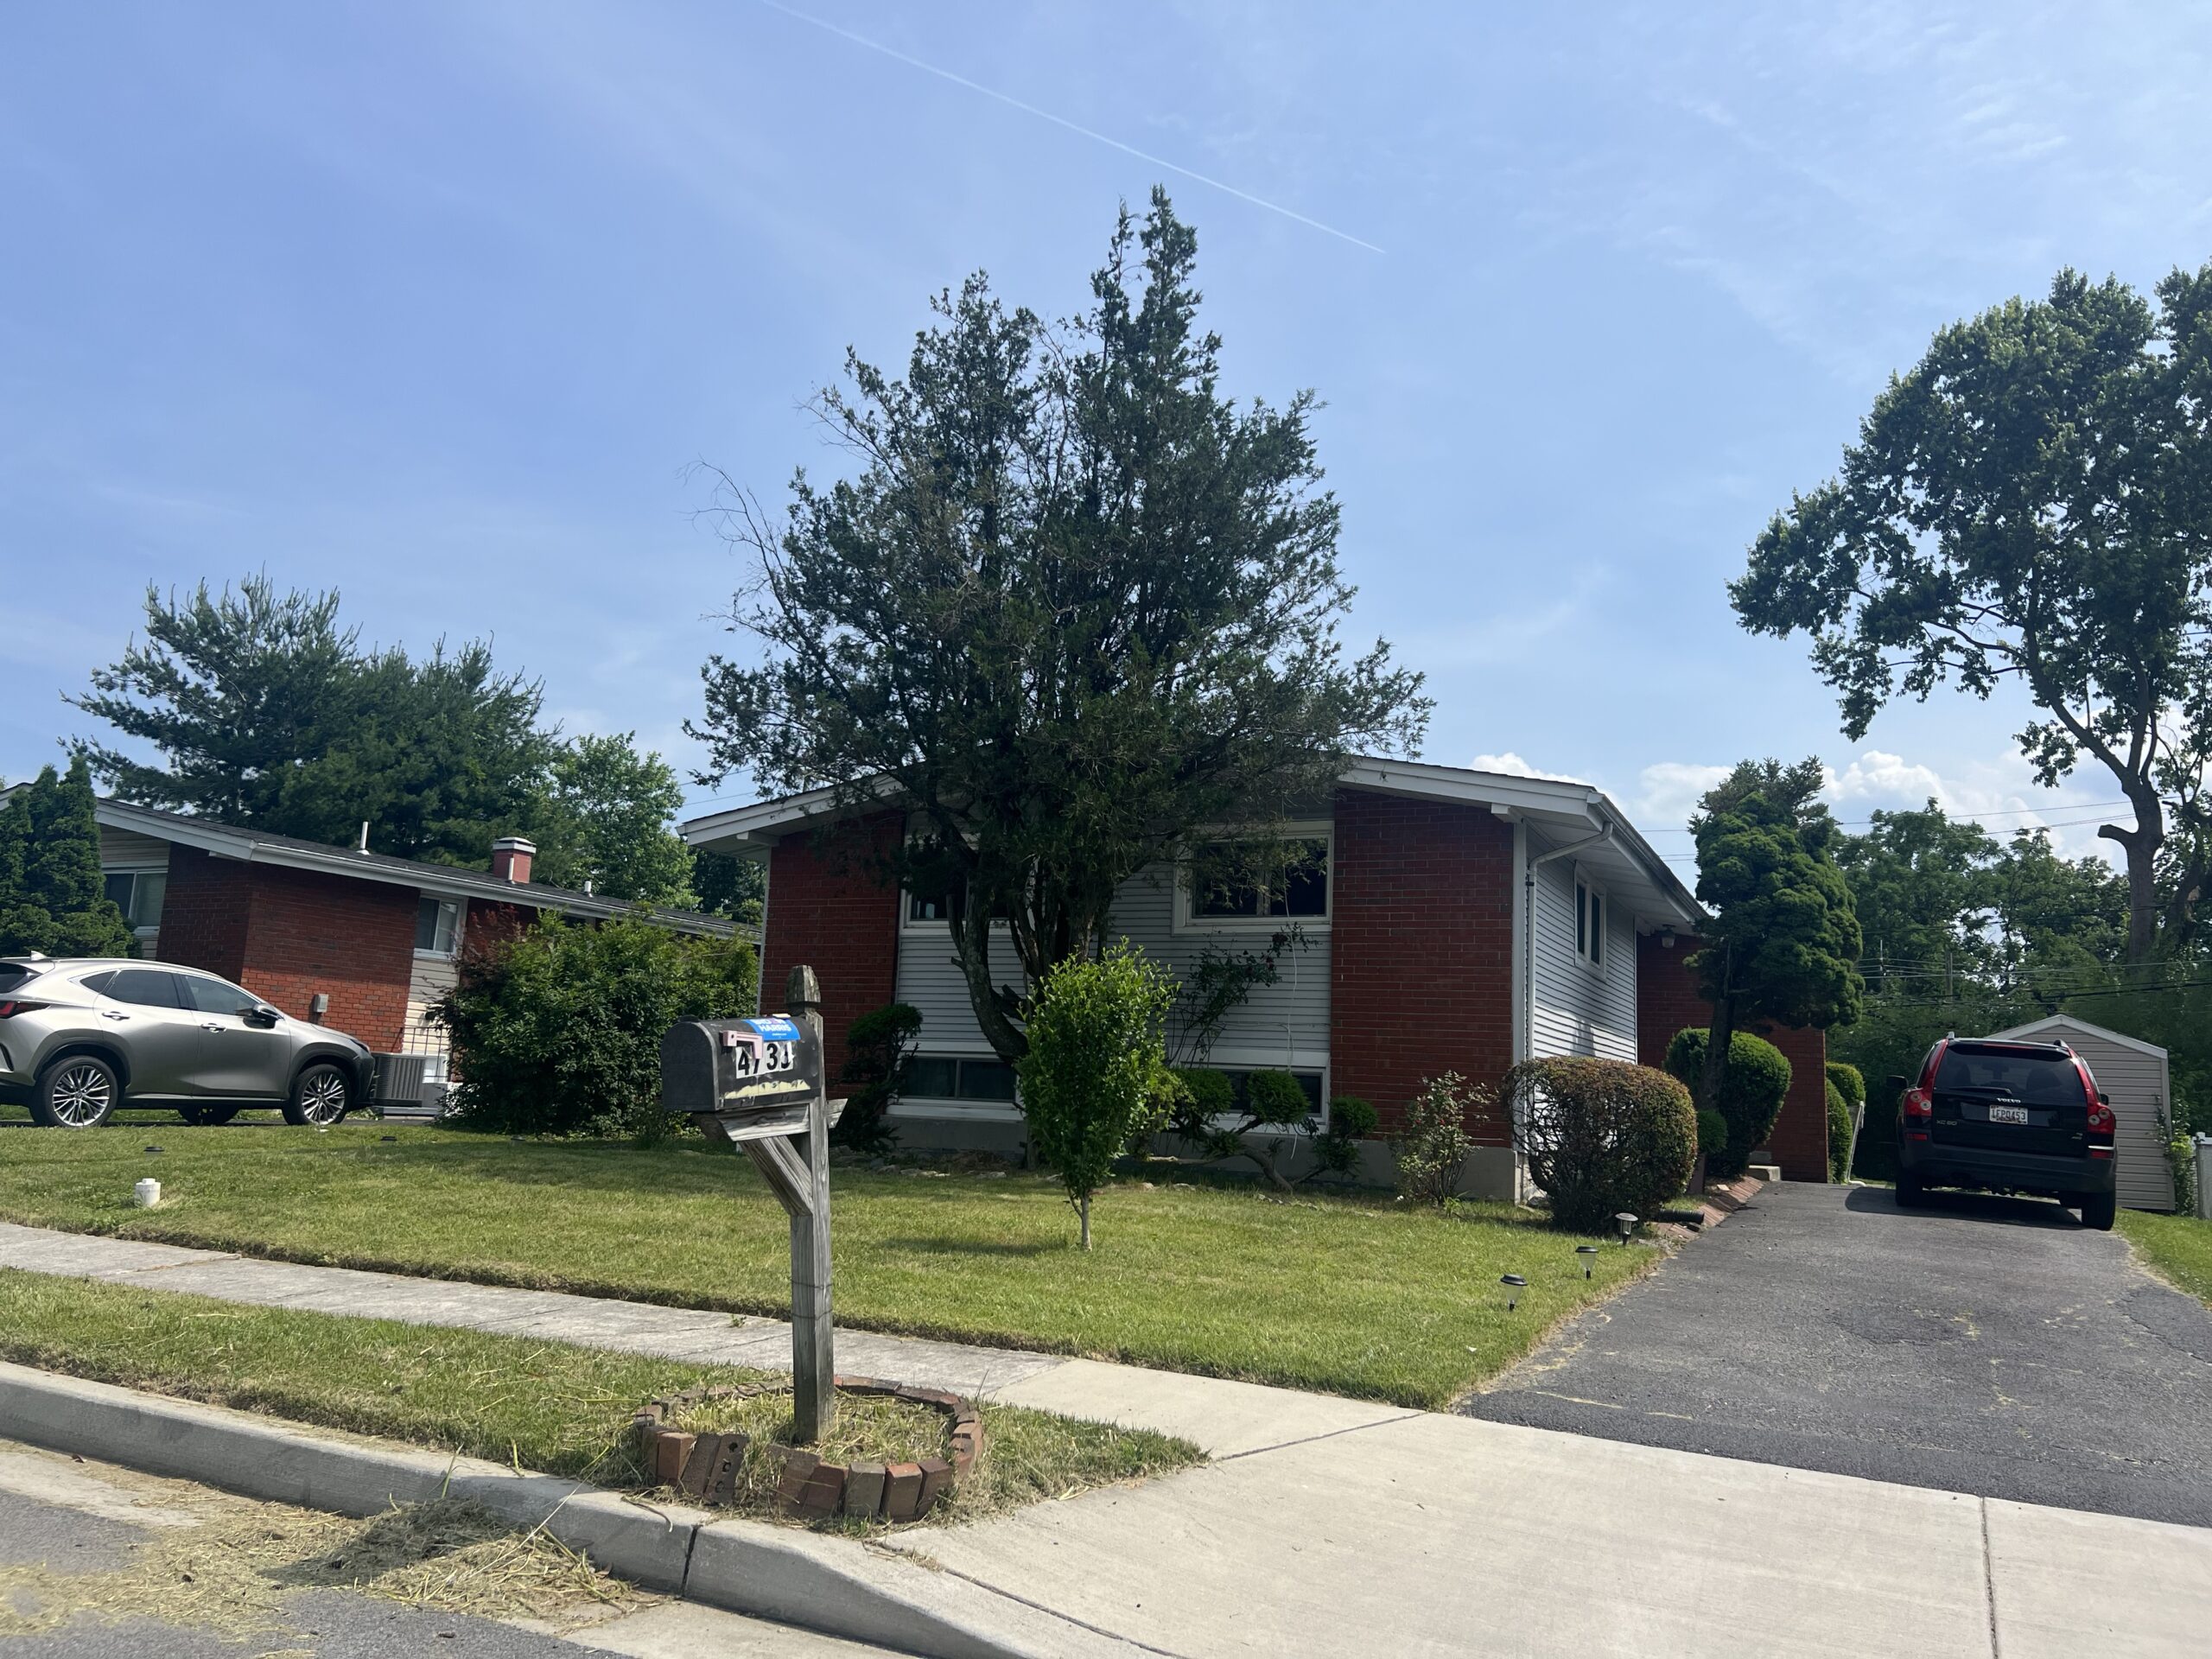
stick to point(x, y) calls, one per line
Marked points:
point(510, 857)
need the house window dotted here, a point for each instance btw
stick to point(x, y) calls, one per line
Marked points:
point(138, 895)
point(1224, 882)
point(930, 907)
point(947, 1077)
point(1589, 924)
point(437, 926)
point(1309, 1080)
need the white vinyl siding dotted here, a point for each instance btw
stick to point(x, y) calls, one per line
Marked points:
point(1578, 1009)
point(1284, 1025)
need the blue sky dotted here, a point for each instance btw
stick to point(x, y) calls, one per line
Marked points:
point(438, 304)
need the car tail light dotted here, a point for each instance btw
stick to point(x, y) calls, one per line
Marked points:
point(8, 1008)
point(1919, 1107)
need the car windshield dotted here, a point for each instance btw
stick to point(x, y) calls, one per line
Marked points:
point(2031, 1079)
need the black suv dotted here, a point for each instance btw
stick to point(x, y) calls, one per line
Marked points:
point(2007, 1117)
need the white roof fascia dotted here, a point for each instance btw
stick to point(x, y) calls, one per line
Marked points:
point(2055, 1021)
point(751, 827)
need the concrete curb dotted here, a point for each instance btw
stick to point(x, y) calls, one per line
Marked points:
point(832, 1585)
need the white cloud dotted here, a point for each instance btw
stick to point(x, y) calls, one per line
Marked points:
point(1670, 789)
point(1880, 777)
point(1513, 765)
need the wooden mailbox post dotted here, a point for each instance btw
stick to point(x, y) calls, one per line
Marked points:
point(758, 1084)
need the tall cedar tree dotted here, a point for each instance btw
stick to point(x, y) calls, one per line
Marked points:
point(1074, 604)
point(52, 898)
point(270, 716)
point(1783, 944)
point(2033, 502)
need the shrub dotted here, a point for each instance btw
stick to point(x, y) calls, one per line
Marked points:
point(1755, 1084)
point(1712, 1134)
point(557, 1032)
point(1096, 1075)
point(1838, 1132)
point(878, 1045)
point(1433, 1143)
point(1849, 1083)
point(1335, 1151)
point(1601, 1136)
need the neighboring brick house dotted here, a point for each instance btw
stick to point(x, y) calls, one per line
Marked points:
point(1452, 920)
point(293, 921)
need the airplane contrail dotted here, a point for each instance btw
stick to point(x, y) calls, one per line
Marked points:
point(1062, 121)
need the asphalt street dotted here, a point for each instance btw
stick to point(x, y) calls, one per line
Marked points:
point(1982, 1344)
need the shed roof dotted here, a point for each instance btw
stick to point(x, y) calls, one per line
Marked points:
point(2054, 1023)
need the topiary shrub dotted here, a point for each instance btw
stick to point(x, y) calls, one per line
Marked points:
point(878, 1045)
point(1601, 1136)
point(1096, 1074)
point(1839, 1131)
point(557, 1032)
point(1755, 1085)
point(1712, 1134)
point(1335, 1151)
point(1849, 1083)
point(1432, 1142)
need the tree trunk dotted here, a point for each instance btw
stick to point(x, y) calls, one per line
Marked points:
point(2141, 846)
point(1083, 1210)
point(1719, 1036)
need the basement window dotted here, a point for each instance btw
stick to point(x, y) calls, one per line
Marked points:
point(952, 1077)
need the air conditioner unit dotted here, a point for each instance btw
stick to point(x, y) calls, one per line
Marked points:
point(410, 1086)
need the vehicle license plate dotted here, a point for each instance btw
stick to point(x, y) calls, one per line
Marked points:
point(2008, 1114)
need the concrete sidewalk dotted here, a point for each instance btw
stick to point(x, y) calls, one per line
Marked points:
point(1328, 1525)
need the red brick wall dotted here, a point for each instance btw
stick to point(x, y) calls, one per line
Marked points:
point(1666, 1001)
point(204, 911)
point(827, 908)
point(1420, 950)
point(353, 940)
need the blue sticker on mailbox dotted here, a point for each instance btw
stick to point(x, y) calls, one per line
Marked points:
point(776, 1028)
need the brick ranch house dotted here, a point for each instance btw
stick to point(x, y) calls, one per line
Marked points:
point(1452, 920)
point(296, 922)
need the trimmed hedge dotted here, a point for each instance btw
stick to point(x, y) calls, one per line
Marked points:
point(1839, 1131)
point(1711, 1136)
point(1751, 1092)
point(1602, 1136)
point(1849, 1083)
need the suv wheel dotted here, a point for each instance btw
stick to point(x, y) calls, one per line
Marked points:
point(1910, 1190)
point(78, 1091)
point(2098, 1210)
point(321, 1096)
point(206, 1116)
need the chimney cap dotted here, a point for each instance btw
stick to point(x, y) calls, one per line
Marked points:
point(513, 844)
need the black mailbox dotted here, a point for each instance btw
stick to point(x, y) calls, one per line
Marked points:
point(754, 1076)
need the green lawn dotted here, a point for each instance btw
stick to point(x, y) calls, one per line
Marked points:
point(2180, 1247)
point(538, 1405)
point(1349, 1296)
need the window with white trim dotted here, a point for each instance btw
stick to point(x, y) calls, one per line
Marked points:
point(1589, 923)
point(138, 895)
point(1229, 883)
point(437, 926)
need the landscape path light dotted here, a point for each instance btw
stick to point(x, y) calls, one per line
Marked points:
point(1589, 1255)
point(1626, 1223)
point(1515, 1284)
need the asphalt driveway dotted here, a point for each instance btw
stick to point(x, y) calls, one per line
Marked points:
point(1982, 1344)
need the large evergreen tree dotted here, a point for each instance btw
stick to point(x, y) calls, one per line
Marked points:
point(1073, 603)
point(605, 823)
point(52, 898)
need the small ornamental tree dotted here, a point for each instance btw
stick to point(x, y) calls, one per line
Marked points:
point(1433, 1141)
point(1851, 1087)
point(559, 1031)
point(52, 898)
point(1601, 1136)
point(1757, 1082)
point(1096, 1074)
point(878, 1045)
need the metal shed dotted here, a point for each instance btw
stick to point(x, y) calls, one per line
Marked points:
point(2133, 1074)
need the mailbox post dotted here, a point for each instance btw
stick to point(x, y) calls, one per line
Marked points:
point(759, 1084)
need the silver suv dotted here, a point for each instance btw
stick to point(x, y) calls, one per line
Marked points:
point(78, 1039)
